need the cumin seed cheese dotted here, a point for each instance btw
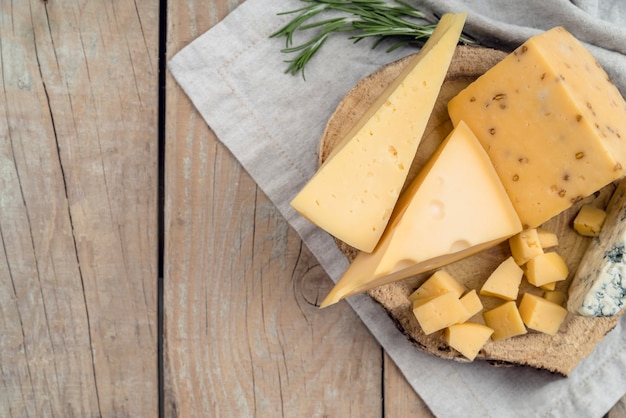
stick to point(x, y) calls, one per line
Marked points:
point(552, 122)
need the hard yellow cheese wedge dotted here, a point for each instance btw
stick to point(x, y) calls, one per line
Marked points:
point(353, 193)
point(553, 124)
point(449, 211)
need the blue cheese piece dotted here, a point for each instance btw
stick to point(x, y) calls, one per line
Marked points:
point(599, 285)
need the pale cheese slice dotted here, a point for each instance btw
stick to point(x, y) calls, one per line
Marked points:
point(448, 212)
point(353, 193)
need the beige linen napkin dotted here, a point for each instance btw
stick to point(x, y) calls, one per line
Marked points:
point(272, 122)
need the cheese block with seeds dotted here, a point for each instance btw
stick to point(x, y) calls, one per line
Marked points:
point(552, 122)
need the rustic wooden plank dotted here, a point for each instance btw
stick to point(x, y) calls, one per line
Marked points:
point(400, 398)
point(243, 334)
point(78, 236)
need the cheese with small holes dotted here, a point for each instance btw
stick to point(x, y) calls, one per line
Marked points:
point(467, 338)
point(353, 193)
point(598, 287)
point(552, 121)
point(448, 212)
point(589, 220)
point(440, 312)
point(540, 314)
point(504, 281)
point(545, 269)
point(505, 320)
point(525, 245)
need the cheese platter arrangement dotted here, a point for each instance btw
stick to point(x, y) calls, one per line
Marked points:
point(478, 197)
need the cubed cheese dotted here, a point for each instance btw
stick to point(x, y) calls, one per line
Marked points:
point(525, 245)
point(472, 303)
point(353, 193)
point(504, 281)
point(440, 312)
point(448, 212)
point(505, 320)
point(589, 220)
point(552, 122)
point(546, 268)
point(541, 314)
point(439, 283)
point(547, 239)
point(468, 338)
point(554, 296)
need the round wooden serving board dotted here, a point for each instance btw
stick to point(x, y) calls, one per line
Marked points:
point(578, 335)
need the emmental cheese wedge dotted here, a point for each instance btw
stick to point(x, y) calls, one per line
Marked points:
point(353, 193)
point(448, 212)
point(552, 122)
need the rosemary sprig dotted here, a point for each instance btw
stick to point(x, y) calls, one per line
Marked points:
point(365, 18)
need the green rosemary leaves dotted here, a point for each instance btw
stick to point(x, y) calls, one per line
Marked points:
point(364, 18)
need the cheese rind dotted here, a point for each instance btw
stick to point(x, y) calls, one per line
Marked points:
point(599, 284)
point(448, 212)
point(353, 193)
point(552, 122)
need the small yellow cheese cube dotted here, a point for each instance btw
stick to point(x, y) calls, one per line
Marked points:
point(546, 268)
point(468, 338)
point(554, 296)
point(525, 246)
point(589, 221)
point(439, 283)
point(472, 303)
point(547, 239)
point(505, 320)
point(440, 312)
point(504, 281)
point(540, 314)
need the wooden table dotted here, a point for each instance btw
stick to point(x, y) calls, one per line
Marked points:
point(142, 271)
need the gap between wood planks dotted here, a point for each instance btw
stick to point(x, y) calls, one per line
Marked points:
point(161, 202)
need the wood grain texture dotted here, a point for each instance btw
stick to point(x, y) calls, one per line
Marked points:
point(243, 333)
point(78, 209)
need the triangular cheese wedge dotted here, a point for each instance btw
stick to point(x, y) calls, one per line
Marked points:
point(455, 207)
point(353, 193)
